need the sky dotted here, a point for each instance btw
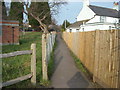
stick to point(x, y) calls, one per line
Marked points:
point(70, 11)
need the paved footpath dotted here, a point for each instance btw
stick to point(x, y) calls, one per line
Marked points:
point(66, 74)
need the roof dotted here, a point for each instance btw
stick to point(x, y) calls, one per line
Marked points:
point(102, 11)
point(76, 24)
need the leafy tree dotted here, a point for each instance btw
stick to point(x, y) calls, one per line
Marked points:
point(65, 23)
point(16, 12)
point(3, 13)
point(33, 22)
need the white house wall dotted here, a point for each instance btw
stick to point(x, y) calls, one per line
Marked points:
point(85, 14)
point(72, 30)
point(95, 19)
point(95, 27)
point(108, 19)
point(112, 20)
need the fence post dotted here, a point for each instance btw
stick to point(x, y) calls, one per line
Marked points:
point(44, 64)
point(33, 63)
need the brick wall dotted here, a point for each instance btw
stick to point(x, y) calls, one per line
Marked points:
point(10, 32)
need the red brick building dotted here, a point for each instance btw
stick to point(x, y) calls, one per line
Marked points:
point(9, 32)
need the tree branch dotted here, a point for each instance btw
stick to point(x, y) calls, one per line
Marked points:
point(44, 16)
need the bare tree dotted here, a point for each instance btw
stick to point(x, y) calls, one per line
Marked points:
point(38, 11)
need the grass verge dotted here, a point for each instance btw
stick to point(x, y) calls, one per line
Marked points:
point(17, 66)
point(81, 67)
point(51, 62)
point(84, 70)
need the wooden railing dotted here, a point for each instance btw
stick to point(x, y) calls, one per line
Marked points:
point(32, 75)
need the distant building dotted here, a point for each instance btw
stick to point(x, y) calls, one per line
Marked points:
point(75, 27)
point(9, 32)
point(97, 18)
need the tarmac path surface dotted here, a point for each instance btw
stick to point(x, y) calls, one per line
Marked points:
point(66, 74)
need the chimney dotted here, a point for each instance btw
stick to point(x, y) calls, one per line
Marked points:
point(86, 2)
point(116, 6)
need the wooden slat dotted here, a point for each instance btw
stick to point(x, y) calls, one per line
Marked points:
point(14, 81)
point(118, 59)
point(15, 53)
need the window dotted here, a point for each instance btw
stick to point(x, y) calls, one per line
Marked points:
point(83, 29)
point(102, 19)
point(77, 30)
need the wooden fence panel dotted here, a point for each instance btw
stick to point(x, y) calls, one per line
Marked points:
point(107, 59)
point(77, 44)
point(118, 59)
point(99, 51)
point(96, 64)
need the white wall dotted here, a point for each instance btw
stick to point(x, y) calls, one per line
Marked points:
point(72, 30)
point(108, 19)
point(85, 14)
point(95, 19)
point(112, 20)
point(96, 27)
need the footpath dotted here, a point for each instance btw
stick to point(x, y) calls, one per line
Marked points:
point(66, 74)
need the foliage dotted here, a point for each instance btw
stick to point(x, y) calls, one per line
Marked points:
point(45, 83)
point(51, 62)
point(33, 22)
point(3, 12)
point(79, 63)
point(16, 12)
point(63, 25)
point(81, 67)
point(20, 65)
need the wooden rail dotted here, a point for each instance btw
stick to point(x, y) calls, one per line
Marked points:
point(12, 54)
point(32, 75)
point(14, 81)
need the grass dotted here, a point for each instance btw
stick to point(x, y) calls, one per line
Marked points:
point(17, 66)
point(81, 67)
point(78, 63)
point(51, 62)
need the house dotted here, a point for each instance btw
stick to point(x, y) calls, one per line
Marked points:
point(9, 32)
point(75, 27)
point(98, 18)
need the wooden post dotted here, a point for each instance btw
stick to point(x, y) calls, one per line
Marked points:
point(33, 63)
point(44, 64)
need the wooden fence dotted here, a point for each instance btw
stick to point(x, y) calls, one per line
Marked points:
point(99, 51)
point(32, 75)
point(47, 47)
